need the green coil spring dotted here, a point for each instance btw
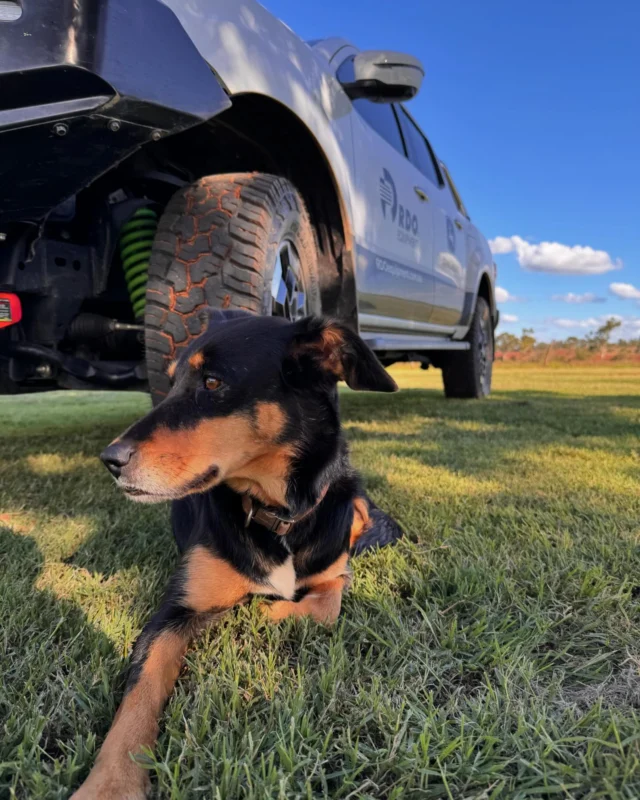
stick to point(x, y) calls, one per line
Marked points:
point(136, 241)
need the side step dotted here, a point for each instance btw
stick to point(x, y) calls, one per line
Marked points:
point(404, 343)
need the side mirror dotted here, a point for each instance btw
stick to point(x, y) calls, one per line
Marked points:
point(384, 76)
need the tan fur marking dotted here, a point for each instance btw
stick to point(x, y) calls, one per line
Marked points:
point(270, 420)
point(265, 477)
point(336, 570)
point(332, 338)
point(327, 347)
point(213, 583)
point(196, 360)
point(242, 448)
point(322, 604)
point(360, 520)
point(135, 725)
point(173, 458)
point(330, 347)
point(171, 369)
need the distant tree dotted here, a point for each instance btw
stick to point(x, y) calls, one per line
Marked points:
point(605, 331)
point(527, 340)
point(572, 348)
point(507, 342)
point(600, 339)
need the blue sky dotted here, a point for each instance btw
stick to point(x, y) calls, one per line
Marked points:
point(535, 107)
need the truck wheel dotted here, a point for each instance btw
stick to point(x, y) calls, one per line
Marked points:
point(228, 241)
point(468, 373)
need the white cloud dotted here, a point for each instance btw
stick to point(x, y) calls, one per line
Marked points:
point(592, 322)
point(503, 296)
point(625, 290)
point(555, 257)
point(501, 245)
point(508, 318)
point(630, 328)
point(579, 299)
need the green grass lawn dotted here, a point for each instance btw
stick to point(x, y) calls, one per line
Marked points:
point(494, 653)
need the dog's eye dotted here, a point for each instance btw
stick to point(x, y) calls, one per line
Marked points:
point(212, 384)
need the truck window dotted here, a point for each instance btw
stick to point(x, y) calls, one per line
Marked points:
point(379, 116)
point(420, 153)
point(454, 192)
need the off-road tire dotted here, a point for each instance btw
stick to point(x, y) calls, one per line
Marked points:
point(468, 373)
point(216, 245)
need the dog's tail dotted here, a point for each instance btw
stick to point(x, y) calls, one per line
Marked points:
point(378, 530)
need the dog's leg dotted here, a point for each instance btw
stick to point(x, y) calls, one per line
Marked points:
point(360, 522)
point(156, 660)
point(376, 530)
point(204, 584)
point(322, 603)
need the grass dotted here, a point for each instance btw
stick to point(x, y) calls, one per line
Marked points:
point(493, 654)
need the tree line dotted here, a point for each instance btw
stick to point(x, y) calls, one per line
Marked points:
point(595, 344)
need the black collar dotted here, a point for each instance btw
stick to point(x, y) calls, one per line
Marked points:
point(272, 520)
point(267, 517)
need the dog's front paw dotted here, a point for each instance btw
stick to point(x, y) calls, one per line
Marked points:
point(277, 610)
point(114, 783)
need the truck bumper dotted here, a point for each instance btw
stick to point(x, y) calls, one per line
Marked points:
point(83, 85)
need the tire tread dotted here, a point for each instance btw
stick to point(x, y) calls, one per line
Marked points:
point(210, 249)
point(460, 373)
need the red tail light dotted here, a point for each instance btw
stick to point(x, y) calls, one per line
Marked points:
point(10, 309)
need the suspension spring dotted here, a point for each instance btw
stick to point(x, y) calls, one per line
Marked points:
point(136, 241)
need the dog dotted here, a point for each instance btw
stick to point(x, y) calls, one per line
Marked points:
point(248, 447)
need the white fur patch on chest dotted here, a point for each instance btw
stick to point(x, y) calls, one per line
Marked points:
point(282, 580)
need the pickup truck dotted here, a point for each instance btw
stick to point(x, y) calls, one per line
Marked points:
point(159, 158)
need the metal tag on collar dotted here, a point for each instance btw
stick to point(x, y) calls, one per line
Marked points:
point(250, 513)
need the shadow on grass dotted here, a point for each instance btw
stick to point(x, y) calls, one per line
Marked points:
point(590, 415)
point(53, 473)
point(49, 703)
point(480, 438)
point(474, 438)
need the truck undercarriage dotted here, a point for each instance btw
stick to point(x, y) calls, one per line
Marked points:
point(85, 110)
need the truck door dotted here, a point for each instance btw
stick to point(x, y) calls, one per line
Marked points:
point(449, 228)
point(393, 223)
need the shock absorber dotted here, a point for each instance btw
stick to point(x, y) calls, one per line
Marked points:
point(136, 241)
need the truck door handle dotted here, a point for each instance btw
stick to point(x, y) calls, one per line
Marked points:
point(458, 224)
point(421, 194)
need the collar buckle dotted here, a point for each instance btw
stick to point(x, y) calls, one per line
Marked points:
point(249, 511)
point(274, 523)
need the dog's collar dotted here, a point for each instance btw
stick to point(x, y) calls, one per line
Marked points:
point(270, 519)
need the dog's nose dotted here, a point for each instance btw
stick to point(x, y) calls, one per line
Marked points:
point(116, 456)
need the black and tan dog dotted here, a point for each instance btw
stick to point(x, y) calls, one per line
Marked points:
point(248, 446)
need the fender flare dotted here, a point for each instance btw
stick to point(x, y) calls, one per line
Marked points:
point(470, 299)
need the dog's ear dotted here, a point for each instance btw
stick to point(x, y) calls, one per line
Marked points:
point(210, 316)
point(340, 353)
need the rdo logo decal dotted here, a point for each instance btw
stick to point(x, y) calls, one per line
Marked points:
point(451, 236)
point(388, 195)
point(407, 220)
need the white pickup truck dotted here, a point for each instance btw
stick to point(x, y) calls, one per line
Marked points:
point(181, 155)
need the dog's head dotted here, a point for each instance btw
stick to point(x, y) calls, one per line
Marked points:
point(251, 399)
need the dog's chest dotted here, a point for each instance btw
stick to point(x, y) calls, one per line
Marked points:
point(281, 581)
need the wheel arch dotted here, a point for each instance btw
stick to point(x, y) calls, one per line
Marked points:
point(485, 289)
point(260, 134)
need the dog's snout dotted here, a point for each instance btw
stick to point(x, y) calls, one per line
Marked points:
point(117, 456)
